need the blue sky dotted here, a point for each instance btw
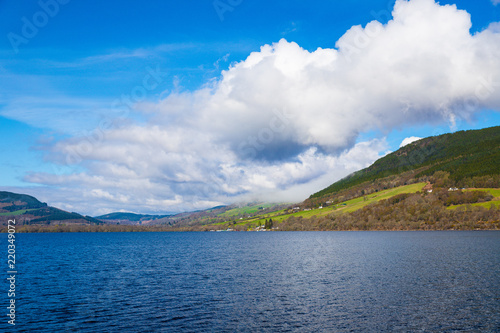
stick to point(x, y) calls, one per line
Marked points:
point(168, 106)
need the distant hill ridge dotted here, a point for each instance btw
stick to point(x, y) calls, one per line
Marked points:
point(462, 154)
point(117, 216)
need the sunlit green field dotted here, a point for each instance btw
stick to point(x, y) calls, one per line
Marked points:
point(17, 212)
point(245, 210)
point(493, 191)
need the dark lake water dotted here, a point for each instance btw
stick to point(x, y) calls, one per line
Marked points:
point(256, 282)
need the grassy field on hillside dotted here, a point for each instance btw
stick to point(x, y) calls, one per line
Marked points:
point(486, 204)
point(17, 212)
point(495, 192)
point(245, 210)
point(361, 202)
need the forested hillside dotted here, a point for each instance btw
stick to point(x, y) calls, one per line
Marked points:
point(464, 154)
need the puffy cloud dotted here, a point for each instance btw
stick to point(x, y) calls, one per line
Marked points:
point(409, 140)
point(424, 65)
point(286, 119)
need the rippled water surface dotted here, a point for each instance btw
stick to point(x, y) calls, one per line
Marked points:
point(258, 282)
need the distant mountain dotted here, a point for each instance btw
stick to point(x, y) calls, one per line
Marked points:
point(129, 218)
point(29, 210)
point(464, 154)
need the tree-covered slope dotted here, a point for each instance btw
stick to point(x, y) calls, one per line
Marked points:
point(10, 202)
point(462, 154)
point(47, 215)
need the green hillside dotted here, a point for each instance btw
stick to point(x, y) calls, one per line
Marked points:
point(30, 211)
point(463, 154)
point(342, 207)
